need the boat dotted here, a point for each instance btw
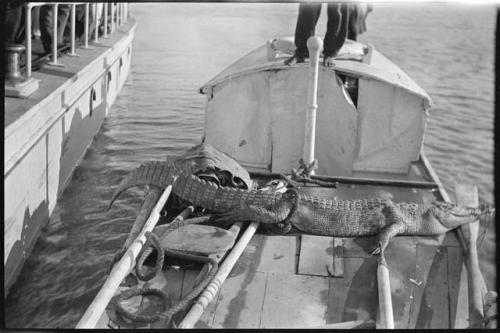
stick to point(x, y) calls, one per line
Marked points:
point(54, 106)
point(364, 122)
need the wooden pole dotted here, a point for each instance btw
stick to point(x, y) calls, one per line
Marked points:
point(467, 196)
point(315, 45)
point(212, 289)
point(121, 268)
point(384, 295)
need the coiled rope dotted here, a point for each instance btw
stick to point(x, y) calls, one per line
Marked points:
point(153, 242)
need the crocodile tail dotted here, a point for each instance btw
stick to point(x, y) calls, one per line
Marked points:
point(154, 173)
point(202, 193)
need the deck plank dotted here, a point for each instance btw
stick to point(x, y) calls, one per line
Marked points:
point(316, 255)
point(401, 260)
point(357, 247)
point(240, 301)
point(295, 301)
point(459, 300)
point(430, 308)
point(354, 297)
point(278, 254)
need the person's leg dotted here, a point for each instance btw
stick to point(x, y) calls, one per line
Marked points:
point(306, 24)
point(63, 12)
point(46, 27)
point(354, 21)
point(336, 32)
point(13, 20)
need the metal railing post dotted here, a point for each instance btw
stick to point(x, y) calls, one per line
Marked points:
point(27, 34)
point(73, 19)
point(54, 33)
point(112, 17)
point(105, 19)
point(86, 29)
point(96, 24)
point(117, 15)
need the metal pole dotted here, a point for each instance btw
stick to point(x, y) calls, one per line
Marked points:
point(105, 19)
point(54, 34)
point(315, 45)
point(118, 11)
point(27, 35)
point(96, 24)
point(112, 17)
point(86, 31)
point(73, 15)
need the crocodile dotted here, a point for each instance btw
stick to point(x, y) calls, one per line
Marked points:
point(309, 214)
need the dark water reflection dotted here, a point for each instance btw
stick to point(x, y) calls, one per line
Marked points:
point(447, 49)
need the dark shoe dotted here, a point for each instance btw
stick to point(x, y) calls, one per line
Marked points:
point(328, 61)
point(295, 59)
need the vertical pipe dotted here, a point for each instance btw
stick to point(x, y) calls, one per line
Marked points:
point(96, 23)
point(314, 44)
point(86, 31)
point(118, 15)
point(54, 33)
point(73, 14)
point(27, 34)
point(112, 17)
point(105, 4)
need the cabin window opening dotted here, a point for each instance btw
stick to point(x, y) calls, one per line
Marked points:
point(351, 84)
point(93, 98)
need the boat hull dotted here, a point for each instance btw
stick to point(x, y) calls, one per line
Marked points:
point(48, 134)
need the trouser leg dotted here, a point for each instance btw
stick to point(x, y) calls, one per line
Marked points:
point(13, 23)
point(336, 31)
point(46, 21)
point(306, 24)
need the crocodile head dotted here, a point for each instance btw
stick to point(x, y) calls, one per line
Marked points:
point(452, 216)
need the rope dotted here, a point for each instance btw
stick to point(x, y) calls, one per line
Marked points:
point(302, 175)
point(166, 314)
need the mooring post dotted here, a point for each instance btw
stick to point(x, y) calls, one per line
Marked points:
point(315, 45)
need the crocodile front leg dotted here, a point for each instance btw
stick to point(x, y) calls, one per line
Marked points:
point(397, 227)
point(385, 236)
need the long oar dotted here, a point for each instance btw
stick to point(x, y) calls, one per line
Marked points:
point(467, 196)
point(212, 289)
point(314, 44)
point(386, 319)
point(121, 268)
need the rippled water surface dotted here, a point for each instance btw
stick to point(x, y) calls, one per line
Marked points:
point(447, 49)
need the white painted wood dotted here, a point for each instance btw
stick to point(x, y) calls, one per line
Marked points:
point(467, 195)
point(391, 129)
point(36, 168)
point(384, 133)
point(386, 317)
point(378, 68)
point(315, 45)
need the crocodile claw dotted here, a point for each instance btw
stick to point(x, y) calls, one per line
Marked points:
point(376, 249)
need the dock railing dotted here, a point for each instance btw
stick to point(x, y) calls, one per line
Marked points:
point(118, 14)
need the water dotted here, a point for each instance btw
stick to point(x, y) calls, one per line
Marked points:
point(447, 49)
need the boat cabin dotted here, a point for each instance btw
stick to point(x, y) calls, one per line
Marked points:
point(371, 115)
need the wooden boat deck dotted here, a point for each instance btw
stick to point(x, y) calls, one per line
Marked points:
point(305, 281)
